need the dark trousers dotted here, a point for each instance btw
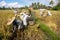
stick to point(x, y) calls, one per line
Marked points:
point(14, 34)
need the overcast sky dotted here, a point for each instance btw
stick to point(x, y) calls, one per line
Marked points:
point(21, 3)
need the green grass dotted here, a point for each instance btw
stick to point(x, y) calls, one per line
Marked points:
point(50, 34)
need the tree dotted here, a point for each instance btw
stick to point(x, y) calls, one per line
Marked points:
point(58, 3)
point(57, 7)
point(0, 8)
point(26, 7)
point(34, 5)
point(38, 5)
point(51, 2)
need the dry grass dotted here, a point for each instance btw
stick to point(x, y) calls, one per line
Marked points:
point(32, 33)
point(52, 21)
point(4, 15)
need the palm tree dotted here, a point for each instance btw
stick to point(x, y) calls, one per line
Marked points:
point(38, 5)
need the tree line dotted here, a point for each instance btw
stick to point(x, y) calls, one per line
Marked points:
point(57, 7)
point(38, 6)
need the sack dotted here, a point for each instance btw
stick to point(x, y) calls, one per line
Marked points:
point(31, 23)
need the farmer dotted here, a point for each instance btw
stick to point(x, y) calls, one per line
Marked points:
point(17, 24)
point(10, 21)
point(24, 15)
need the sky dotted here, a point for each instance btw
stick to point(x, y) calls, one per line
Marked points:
point(22, 3)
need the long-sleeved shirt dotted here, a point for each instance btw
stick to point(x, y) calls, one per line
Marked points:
point(24, 17)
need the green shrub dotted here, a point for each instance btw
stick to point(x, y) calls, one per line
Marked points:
point(49, 33)
point(56, 8)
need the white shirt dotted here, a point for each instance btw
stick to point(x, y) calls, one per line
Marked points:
point(24, 19)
